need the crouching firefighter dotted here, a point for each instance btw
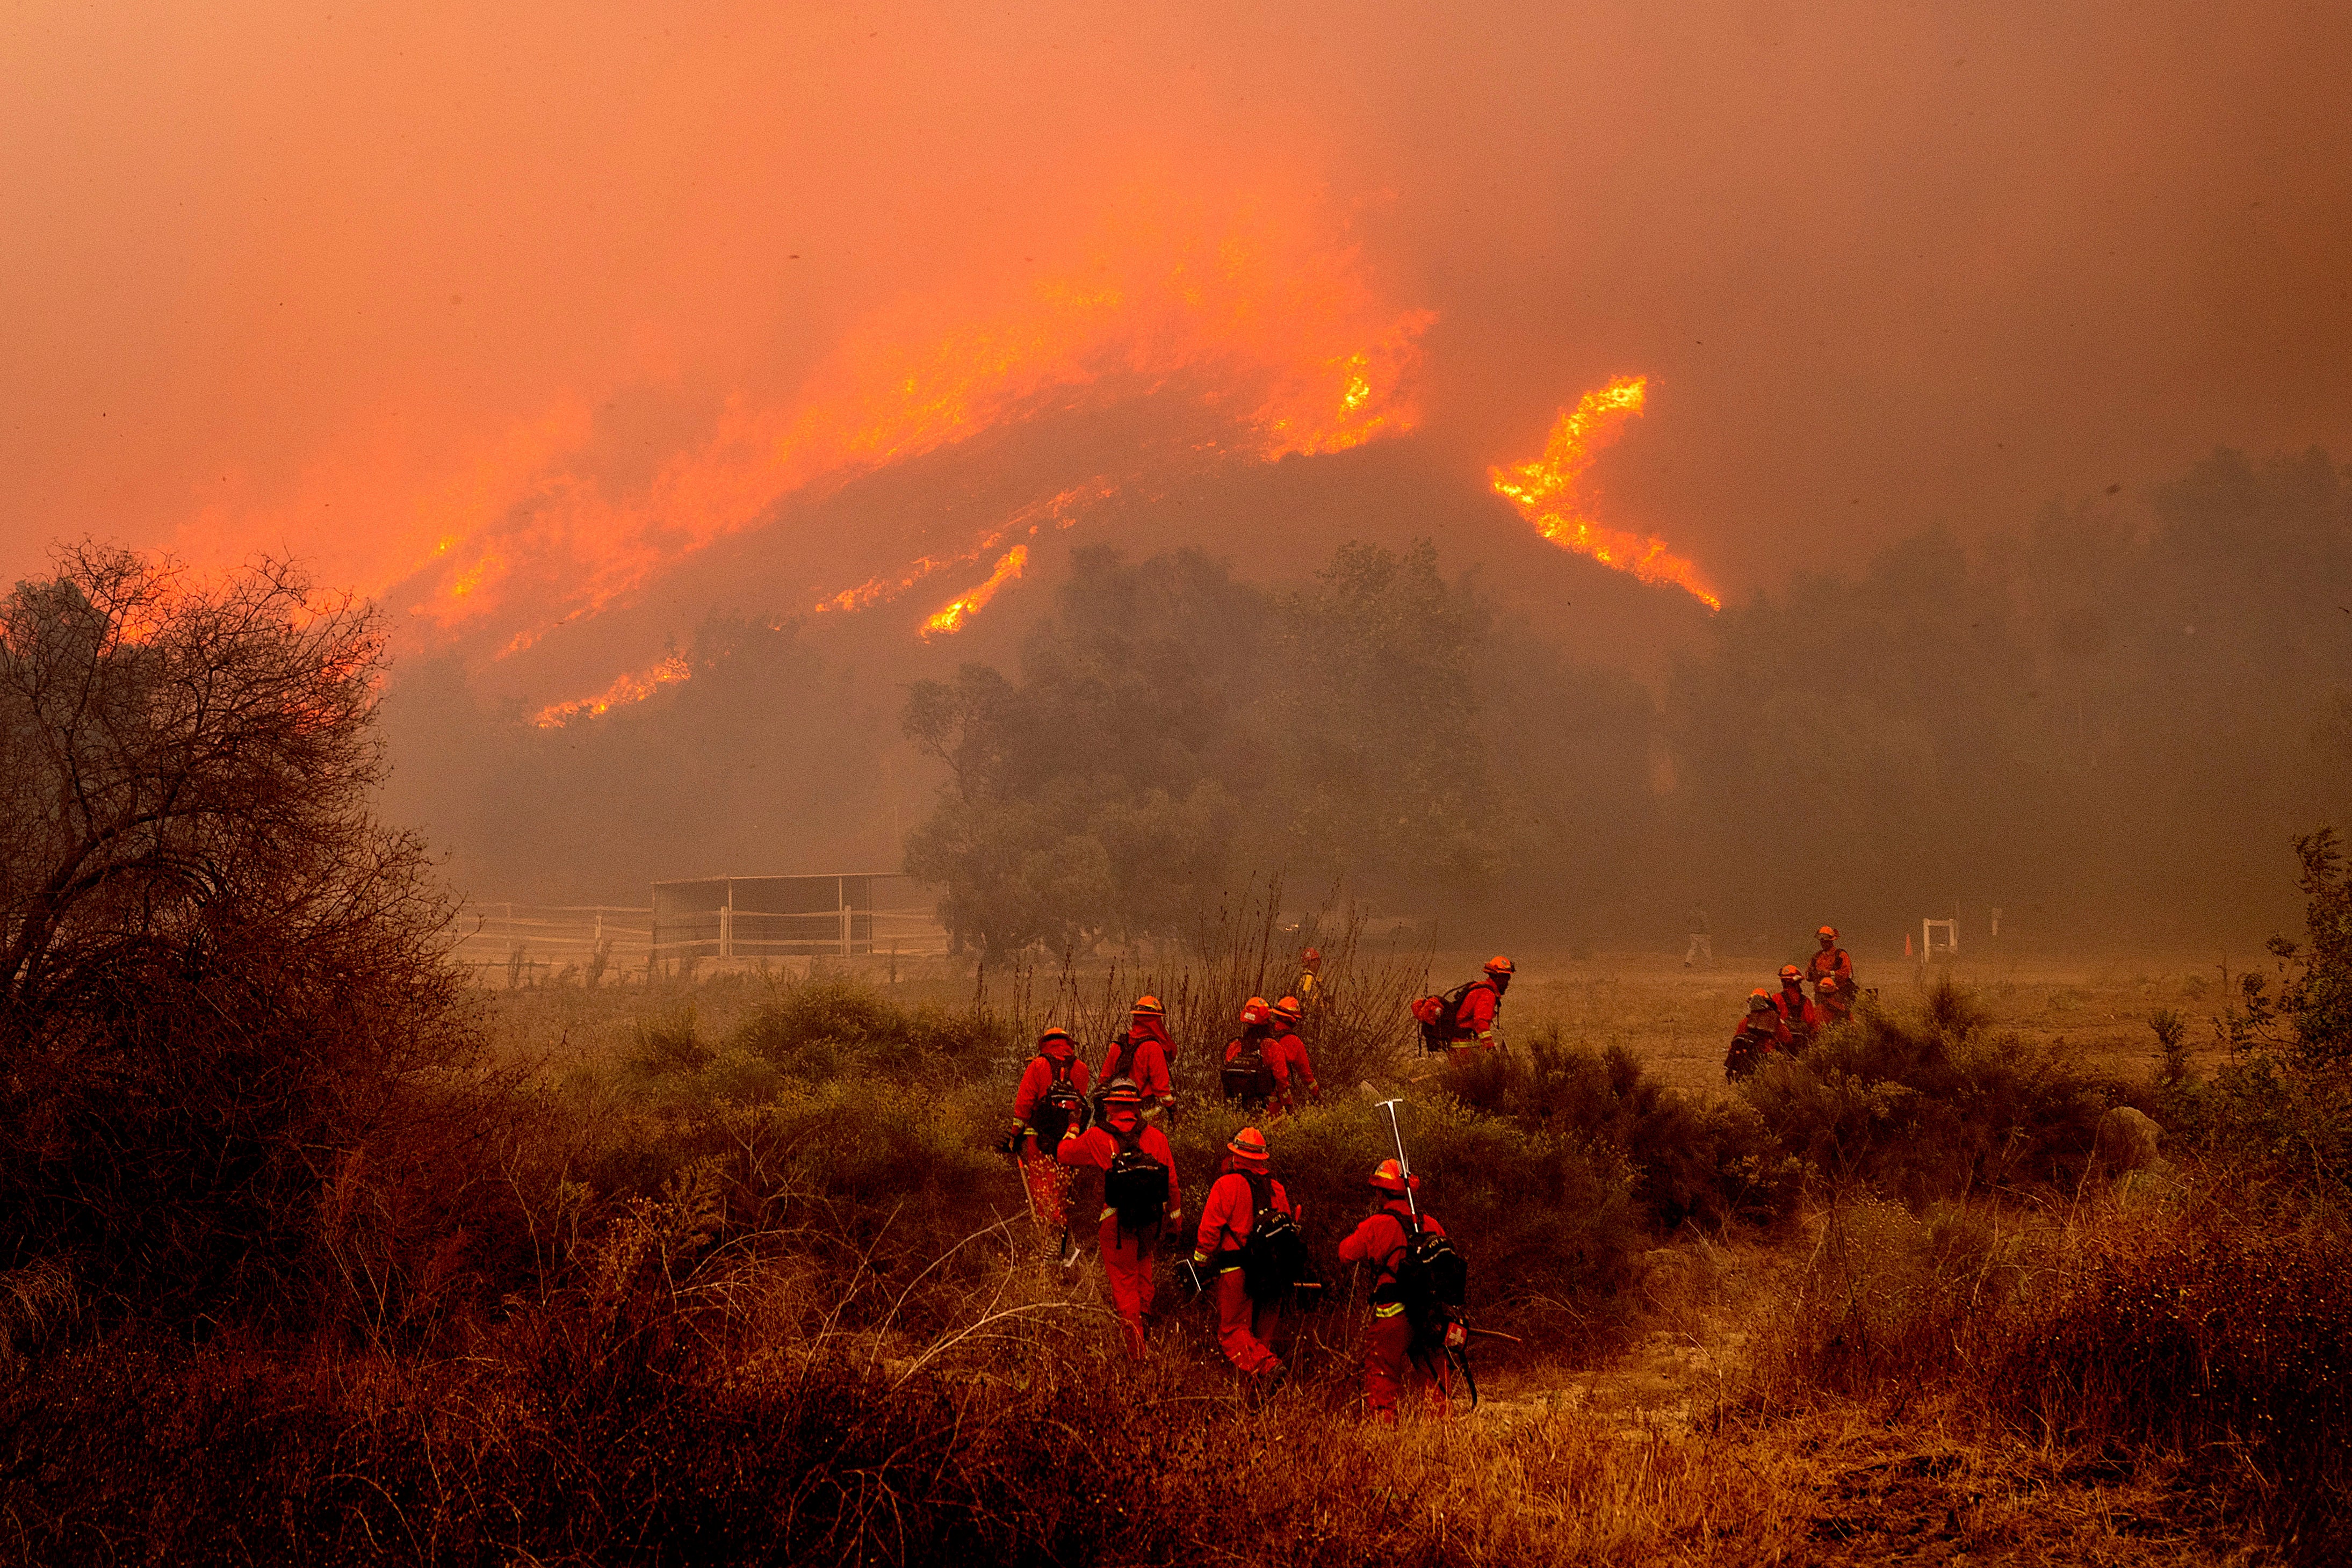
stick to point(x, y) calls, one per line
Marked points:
point(1139, 1194)
point(1463, 1017)
point(1052, 1100)
point(1417, 1289)
point(1760, 1035)
point(1249, 1254)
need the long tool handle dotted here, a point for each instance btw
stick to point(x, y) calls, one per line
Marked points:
point(1404, 1167)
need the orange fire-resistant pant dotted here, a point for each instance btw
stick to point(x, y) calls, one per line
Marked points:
point(1127, 1258)
point(1390, 1366)
point(1048, 1181)
point(1244, 1325)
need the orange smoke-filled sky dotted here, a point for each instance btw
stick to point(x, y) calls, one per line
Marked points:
point(324, 278)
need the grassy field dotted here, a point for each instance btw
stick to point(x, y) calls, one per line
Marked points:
point(1797, 1384)
point(726, 1270)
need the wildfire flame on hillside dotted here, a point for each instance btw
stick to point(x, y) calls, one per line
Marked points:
point(1061, 510)
point(951, 618)
point(1274, 328)
point(1545, 493)
point(630, 688)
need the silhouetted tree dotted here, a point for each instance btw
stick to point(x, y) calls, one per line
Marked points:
point(225, 1017)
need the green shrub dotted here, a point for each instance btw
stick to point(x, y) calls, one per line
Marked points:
point(1933, 1106)
point(2219, 1339)
point(1548, 1220)
point(1695, 1161)
point(668, 1043)
point(830, 1026)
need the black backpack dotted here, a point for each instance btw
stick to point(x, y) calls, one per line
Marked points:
point(1135, 1186)
point(1441, 1024)
point(1248, 1076)
point(1273, 1258)
point(1062, 1110)
point(1431, 1278)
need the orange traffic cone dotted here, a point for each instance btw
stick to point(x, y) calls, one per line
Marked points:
point(1906, 944)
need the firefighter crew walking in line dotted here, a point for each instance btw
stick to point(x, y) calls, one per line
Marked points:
point(1142, 1054)
point(1244, 1189)
point(1294, 1075)
point(1050, 1100)
point(1393, 1354)
point(1800, 1019)
point(1139, 1194)
point(1830, 964)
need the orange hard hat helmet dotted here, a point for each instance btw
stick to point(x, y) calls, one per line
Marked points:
point(1827, 983)
point(1760, 1000)
point(1254, 1010)
point(1827, 933)
point(1148, 1008)
point(1287, 1010)
point(1249, 1143)
point(1789, 972)
point(1122, 1091)
point(1499, 965)
point(1389, 1178)
point(1313, 955)
point(1053, 1033)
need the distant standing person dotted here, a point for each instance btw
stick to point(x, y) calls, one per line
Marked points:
point(1310, 988)
point(1832, 964)
point(1702, 948)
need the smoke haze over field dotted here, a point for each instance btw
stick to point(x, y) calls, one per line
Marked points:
point(561, 328)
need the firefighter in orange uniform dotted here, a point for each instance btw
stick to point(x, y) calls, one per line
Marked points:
point(1142, 1054)
point(1294, 1075)
point(1051, 1099)
point(1832, 964)
point(1474, 1021)
point(1139, 1195)
point(1227, 1217)
point(1391, 1356)
point(1247, 1076)
point(1800, 1019)
point(1760, 1035)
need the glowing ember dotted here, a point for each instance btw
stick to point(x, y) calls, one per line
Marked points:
point(951, 619)
point(629, 689)
point(1545, 493)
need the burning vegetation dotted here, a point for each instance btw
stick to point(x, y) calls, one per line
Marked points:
point(1546, 493)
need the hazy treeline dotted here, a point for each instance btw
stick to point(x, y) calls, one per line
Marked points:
point(2116, 718)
